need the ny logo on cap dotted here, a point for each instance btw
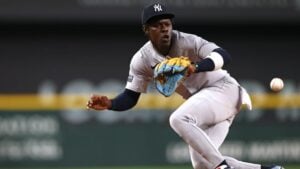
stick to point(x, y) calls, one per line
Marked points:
point(157, 7)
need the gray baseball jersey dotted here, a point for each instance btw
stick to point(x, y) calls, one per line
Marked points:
point(213, 98)
point(183, 44)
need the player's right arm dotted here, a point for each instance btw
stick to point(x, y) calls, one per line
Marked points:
point(124, 101)
point(136, 84)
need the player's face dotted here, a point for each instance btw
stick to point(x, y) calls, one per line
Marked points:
point(159, 33)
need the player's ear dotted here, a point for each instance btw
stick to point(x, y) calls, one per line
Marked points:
point(146, 29)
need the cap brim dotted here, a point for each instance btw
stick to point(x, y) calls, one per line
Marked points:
point(159, 17)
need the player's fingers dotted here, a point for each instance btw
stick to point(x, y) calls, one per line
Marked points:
point(93, 97)
point(92, 101)
point(96, 107)
point(102, 99)
point(89, 104)
point(96, 99)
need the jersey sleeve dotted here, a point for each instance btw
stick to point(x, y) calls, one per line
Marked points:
point(138, 77)
point(204, 47)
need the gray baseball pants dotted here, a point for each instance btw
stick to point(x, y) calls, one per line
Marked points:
point(203, 122)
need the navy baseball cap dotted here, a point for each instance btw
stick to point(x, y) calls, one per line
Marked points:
point(156, 10)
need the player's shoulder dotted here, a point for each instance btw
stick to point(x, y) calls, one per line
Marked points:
point(141, 55)
point(146, 56)
point(183, 35)
point(186, 41)
point(147, 48)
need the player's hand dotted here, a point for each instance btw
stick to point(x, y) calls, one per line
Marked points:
point(191, 70)
point(98, 102)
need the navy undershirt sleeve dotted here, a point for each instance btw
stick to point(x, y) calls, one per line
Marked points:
point(125, 100)
point(208, 65)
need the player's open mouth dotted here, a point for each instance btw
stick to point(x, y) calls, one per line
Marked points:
point(165, 38)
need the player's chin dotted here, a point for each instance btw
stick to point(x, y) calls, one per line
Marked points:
point(165, 42)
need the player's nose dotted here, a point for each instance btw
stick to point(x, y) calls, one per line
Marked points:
point(164, 28)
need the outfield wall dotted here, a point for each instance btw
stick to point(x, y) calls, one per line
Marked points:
point(46, 138)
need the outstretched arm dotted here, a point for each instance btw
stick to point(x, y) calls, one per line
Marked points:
point(123, 101)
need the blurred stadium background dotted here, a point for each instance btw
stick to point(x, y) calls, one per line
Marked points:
point(55, 53)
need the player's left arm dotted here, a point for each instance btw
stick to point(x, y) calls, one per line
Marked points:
point(217, 59)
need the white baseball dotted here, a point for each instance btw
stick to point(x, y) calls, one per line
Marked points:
point(276, 84)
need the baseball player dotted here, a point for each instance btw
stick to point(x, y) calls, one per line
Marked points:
point(213, 97)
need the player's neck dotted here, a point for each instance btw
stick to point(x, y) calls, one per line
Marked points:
point(164, 50)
